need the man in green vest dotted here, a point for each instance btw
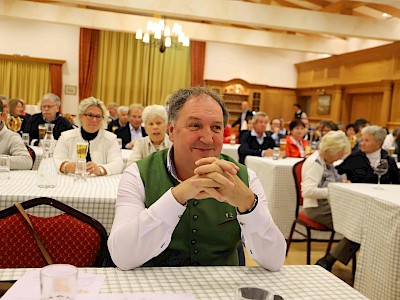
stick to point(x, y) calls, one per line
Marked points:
point(190, 204)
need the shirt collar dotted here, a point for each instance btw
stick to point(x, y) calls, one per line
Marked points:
point(133, 129)
point(254, 133)
point(170, 163)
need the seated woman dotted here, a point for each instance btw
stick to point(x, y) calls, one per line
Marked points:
point(16, 107)
point(317, 172)
point(103, 155)
point(296, 145)
point(358, 166)
point(155, 123)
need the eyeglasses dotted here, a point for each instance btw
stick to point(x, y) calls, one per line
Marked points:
point(48, 106)
point(90, 116)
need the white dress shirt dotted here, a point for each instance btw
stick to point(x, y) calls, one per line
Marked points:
point(139, 234)
point(135, 133)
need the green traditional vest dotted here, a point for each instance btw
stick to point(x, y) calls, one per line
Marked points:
point(207, 234)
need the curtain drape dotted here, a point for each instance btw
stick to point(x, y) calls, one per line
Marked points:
point(129, 71)
point(56, 79)
point(23, 79)
point(197, 60)
point(88, 48)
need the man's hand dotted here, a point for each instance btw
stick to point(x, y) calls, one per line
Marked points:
point(268, 152)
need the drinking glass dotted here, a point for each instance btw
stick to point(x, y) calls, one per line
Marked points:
point(80, 169)
point(25, 138)
point(380, 169)
point(282, 145)
point(4, 167)
point(42, 131)
point(81, 150)
point(254, 293)
point(113, 128)
point(275, 153)
point(391, 150)
point(59, 282)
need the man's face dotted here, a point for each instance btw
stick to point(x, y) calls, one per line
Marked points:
point(5, 107)
point(198, 131)
point(245, 105)
point(49, 109)
point(123, 118)
point(275, 124)
point(260, 125)
point(135, 117)
point(112, 110)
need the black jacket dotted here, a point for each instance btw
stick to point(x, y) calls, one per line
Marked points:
point(250, 146)
point(124, 133)
point(60, 124)
point(112, 124)
point(357, 168)
point(239, 120)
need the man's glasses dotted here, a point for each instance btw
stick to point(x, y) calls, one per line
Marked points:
point(48, 106)
point(90, 116)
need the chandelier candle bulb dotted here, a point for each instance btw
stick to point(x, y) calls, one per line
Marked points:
point(139, 34)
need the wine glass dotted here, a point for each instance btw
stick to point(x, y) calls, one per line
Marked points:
point(380, 169)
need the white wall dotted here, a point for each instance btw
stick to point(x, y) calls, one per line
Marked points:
point(44, 40)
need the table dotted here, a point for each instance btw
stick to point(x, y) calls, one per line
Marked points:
point(277, 180)
point(372, 218)
point(126, 153)
point(231, 150)
point(95, 197)
point(292, 282)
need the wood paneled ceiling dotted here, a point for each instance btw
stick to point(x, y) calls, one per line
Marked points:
point(316, 26)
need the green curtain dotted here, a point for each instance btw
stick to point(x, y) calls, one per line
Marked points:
point(23, 79)
point(130, 71)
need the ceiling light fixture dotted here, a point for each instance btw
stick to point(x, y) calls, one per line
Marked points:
point(161, 35)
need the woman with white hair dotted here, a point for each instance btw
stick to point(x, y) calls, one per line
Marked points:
point(155, 123)
point(103, 155)
point(358, 166)
point(317, 172)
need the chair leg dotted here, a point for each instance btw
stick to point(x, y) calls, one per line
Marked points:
point(328, 249)
point(308, 245)
point(290, 237)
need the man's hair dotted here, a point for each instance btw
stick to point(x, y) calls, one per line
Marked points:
point(122, 109)
point(112, 104)
point(1, 106)
point(51, 96)
point(295, 123)
point(134, 107)
point(297, 105)
point(178, 98)
point(3, 97)
point(258, 115)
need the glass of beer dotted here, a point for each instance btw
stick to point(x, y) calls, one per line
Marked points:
point(113, 128)
point(391, 150)
point(81, 150)
point(282, 145)
point(42, 131)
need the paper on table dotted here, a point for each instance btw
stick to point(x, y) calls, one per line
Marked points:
point(28, 286)
point(137, 296)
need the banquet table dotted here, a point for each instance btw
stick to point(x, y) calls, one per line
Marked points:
point(126, 153)
point(291, 282)
point(96, 197)
point(231, 150)
point(277, 180)
point(371, 217)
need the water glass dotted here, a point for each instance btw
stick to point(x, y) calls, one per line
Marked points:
point(254, 293)
point(119, 143)
point(80, 169)
point(4, 167)
point(59, 282)
point(275, 153)
point(25, 138)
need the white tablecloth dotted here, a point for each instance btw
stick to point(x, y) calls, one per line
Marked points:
point(372, 218)
point(231, 150)
point(277, 179)
point(292, 282)
point(95, 197)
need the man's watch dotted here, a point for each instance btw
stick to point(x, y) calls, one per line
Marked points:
point(251, 208)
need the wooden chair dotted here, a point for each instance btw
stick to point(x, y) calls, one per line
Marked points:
point(301, 218)
point(70, 238)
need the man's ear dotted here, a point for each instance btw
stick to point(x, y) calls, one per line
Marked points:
point(171, 132)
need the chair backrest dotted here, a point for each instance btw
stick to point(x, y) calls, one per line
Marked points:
point(32, 154)
point(70, 238)
point(296, 170)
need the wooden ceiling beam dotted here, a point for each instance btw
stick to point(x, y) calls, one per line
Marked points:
point(395, 12)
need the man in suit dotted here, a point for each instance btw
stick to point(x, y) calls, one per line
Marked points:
point(256, 142)
point(133, 130)
point(121, 121)
point(242, 120)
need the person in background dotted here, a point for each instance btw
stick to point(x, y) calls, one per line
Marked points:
point(359, 166)
point(298, 113)
point(296, 145)
point(4, 100)
point(16, 107)
point(155, 123)
point(351, 135)
point(133, 130)
point(50, 105)
point(317, 172)
point(121, 121)
point(203, 203)
point(228, 134)
point(390, 139)
point(276, 132)
point(112, 108)
point(103, 155)
point(256, 142)
point(11, 144)
point(244, 117)
point(359, 124)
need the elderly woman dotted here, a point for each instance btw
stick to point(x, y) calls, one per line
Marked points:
point(296, 145)
point(317, 172)
point(155, 123)
point(16, 108)
point(358, 166)
point(103, 156)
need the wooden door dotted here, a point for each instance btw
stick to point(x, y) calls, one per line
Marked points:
point(366, 106)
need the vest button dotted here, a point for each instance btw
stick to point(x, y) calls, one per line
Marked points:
point(193, 242)
point(195, 217)
point(195, 251)
point(195, 202)
point(194, 230)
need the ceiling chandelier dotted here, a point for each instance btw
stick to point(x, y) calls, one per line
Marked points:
point(161, 35)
